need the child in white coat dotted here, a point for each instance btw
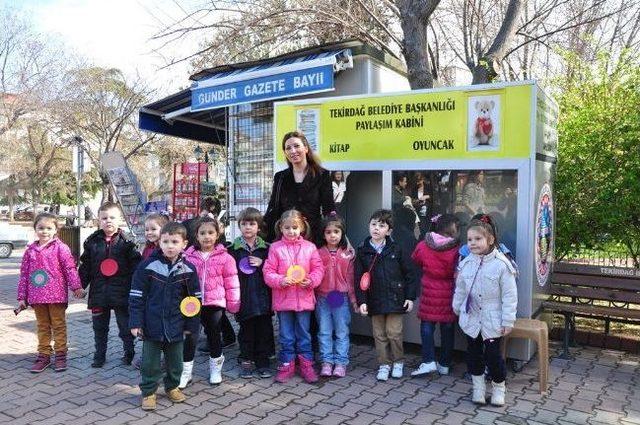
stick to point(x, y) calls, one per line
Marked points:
point(486, 300)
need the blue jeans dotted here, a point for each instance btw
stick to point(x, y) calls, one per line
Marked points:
point(332, 320)
point(447, 331)
point(294, 335)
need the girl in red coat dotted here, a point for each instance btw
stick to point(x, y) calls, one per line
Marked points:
point(152, 226)
point(437, 255)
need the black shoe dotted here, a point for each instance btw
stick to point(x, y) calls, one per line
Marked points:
point(263, 372)
point(127, 358)
point(98, 362)
point(246, 369)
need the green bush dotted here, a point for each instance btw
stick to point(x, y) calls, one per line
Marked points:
point(598, 179)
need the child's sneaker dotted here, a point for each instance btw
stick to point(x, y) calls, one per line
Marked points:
point(263, 372)
point(176, 395)
point(60, 362)
point(442, 370)
point(306, 370)
point(340, 371)
point(246, 369)
point(424, 368)
point(325, 370)
point(42, 362)
point(285, 372)
point(149, 402)
point(383, 372)
point(397, 371)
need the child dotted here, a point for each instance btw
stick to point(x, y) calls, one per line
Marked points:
point(152, 226)
point(106, 267)
point(256, 328)
point(437, 256)
point(486, 300)
point(391, 292)
point(220, 290)
point(334, 295)
point(464, 249)
point(293, 269)
point(47, 272)
point(159, 285)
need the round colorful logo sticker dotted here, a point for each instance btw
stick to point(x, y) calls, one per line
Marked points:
point(109, 267)
point(297, 273)
point(190, 306)
point(245, 267)
point(39, 278)
point(335, 299)
point(544, 234)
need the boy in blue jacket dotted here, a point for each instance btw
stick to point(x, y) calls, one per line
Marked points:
point(160, 283)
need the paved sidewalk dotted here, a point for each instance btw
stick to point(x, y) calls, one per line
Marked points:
point(598, 387)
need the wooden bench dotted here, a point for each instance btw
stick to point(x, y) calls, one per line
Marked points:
point(608, 293)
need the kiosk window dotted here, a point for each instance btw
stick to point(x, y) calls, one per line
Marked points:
point(464, 193)
point(251, 139)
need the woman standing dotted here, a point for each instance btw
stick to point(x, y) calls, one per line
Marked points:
point(304, 186)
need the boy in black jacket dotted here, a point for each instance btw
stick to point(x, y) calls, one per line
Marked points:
point(106, 266)
point(390, 294)
point(159, 285)
point(256, 328)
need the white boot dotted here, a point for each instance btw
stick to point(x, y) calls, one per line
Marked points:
point(187, 373)
point(479, 389)
point(497, 393)
point(215, 370)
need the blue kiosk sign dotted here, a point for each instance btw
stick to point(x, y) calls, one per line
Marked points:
point(288, 84)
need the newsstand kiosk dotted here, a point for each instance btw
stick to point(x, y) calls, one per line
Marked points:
point(486, 148)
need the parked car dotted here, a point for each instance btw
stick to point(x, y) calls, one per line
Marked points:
point(12, 237)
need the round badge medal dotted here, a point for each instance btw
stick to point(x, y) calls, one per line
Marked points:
point(245, 267)
point(190, 306)
point(109, 267)
point(335, 299)
point(297, 273)
point(39, 278)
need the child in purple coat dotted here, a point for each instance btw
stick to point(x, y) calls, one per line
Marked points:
point(47, 272)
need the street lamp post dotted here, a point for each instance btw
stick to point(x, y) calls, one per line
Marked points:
point(202, 155)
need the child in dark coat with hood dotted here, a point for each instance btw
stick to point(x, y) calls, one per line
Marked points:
point(256, 328)
point(437, 256)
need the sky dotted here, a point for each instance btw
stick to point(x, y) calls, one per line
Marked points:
point(115, 33)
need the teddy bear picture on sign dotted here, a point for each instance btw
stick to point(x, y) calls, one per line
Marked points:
point(483, 123)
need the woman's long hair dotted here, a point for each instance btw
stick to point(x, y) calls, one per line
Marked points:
point(312, 160)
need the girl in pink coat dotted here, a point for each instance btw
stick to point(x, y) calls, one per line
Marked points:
point(293, 269)
point(220, 289)
point(47, 272)
point(334, 297)
point(437, 256)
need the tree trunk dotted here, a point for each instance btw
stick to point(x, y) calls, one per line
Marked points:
point(414, 19)
point(486, 70)
point(12, 203)
point(35, 201)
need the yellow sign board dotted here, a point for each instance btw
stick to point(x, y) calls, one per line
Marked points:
point(430, 125)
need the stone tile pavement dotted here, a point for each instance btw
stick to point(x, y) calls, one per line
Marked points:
point(597, 387)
